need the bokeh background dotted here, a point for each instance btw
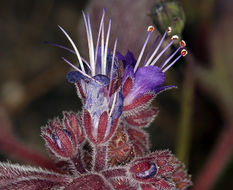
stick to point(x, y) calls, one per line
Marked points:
point(195, 121)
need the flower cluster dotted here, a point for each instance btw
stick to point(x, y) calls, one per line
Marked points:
point(105, 146)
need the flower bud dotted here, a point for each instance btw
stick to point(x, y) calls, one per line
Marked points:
point(63, 139)
point(159, 170)
point(73, 123)
point(165, 13)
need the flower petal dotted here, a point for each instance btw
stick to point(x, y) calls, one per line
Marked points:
point(147, 79)
point(74, 76)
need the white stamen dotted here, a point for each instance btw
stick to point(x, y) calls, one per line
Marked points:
point(142, 51)
point(98, 38)
point(168, 59)
point(169, 30)
point(169, 66)
point(175, 37)
point(86, 75)
point(75, 49)
point(92, 61)
point(156, 50)
point(102, 47)
point(161, 53)
point(87, 64)
point(106, 49)
point(76, 68)
point(111, 71)
point(88, 40)
point(113, 59)
point(152, 47)
point(113, 103)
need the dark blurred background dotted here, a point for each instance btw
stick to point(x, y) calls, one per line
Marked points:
point(193, 119)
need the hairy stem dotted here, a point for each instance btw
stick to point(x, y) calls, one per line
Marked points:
point(100, 157)
point(78, 164)
point(116, 172)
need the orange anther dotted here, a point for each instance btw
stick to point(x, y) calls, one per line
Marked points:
point(182, 44)
point(169, 29)
point(184, 52)
point(175, 37)
point(150, 28)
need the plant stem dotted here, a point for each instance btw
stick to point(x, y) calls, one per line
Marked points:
point(217, 161)
point(184, 130)
point(100, 160)
point(78, 164)
point(21, 152)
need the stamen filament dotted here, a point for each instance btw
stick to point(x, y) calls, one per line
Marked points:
point(98, 38)
point(68, 49)
point(161, 53)
point(142, 51)
point(102, 48)
point(60, 46)
point(88, 40)
point(86, 75)
point(106, 48)
point(169, 66)
point(157, 48)
point(88, 34)
point(111, 72)
point(152, 47)
point(113, 103)
point(168, 59)
point(92, 61)
point(75, 49)
point(76, 68)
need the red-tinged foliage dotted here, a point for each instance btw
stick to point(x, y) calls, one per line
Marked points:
point(54, 124)
point(127, 86)
point(119, 149)
point(100, 160)
point(88, 125)
point(87, 158)
point(63, 138)
point(158, 169)
point(139, 141)
point(14, 177)
point(72, 122)
point(142, 101)
point(113, 129)
point(126, 144)
point(102, 127)
point(136, 122)
point(90, 182)
point(142, 118)
point(103, 134)
point(66, 141)
point(114, 172)
point(53, 147)
point(148, 187)
point(147, 113)
point(123, 184)
point(91, 148)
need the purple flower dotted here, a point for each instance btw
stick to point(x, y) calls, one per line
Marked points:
point(149, 78)
point(103, 147)
point(98, 82)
